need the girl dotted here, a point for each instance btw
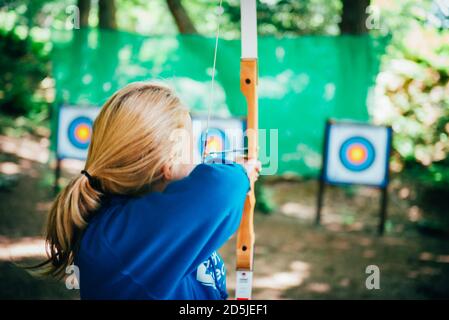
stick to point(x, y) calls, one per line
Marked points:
point(139, 223)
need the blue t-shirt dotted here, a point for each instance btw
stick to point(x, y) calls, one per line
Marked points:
point(163, 245)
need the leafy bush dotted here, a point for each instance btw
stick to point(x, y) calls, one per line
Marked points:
point(23, 66)
point(413, 96)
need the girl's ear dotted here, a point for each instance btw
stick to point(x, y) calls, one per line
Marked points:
point(167, 171)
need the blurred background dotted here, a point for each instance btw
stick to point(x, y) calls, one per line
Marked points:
point(381, 62)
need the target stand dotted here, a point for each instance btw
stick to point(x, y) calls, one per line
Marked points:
point(356, 154)
point(73, 135)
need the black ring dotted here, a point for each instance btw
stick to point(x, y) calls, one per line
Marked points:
point(86, 174)
point(94, 183)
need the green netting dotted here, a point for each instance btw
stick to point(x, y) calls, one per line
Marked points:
point(303, 80)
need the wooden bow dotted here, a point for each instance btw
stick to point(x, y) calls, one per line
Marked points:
point(248, 86)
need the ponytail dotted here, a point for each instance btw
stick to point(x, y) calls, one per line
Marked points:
point(67, 219)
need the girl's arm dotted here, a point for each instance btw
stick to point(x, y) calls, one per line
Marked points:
point(161, 237)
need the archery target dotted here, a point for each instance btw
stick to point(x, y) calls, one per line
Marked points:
point(357, 154)
point(223, 135)
point(75, 131)
point(216, 141)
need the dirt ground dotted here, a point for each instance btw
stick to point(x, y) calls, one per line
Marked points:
point(293, 260)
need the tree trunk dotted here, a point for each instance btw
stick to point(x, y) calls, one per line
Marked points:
point(182, 20)
point(84, 7)
point(106, 14)
point(353, 18)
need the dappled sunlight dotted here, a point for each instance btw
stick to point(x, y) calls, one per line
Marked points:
point(334, 227)
point(298, 210)
point(394, 241)
point(72, 166)
point(26, 148)
point(331, 221)
point(414, 214)
point(299, 271)
point(364, 241)
point(369, 254)
point(318, 287)
point(344, 283)
point(426, 256)
point(22, 248)
point(9, 168)
point(413, 274)
point(336, 223)
point(431, 257)
point(341, 245)
point(355, 226)
point(43, 206)
point(443, 259)
point(273, 294)
point(429, 271)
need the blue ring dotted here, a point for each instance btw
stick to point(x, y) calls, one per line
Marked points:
point(72, 129)
point(370, 154)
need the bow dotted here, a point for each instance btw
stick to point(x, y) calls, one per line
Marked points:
point(248, 86)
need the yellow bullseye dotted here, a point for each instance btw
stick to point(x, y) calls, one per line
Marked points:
point(82, 133)
point(214, 144)
point(357, 154)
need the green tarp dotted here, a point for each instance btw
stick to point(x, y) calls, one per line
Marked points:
point(303, 80)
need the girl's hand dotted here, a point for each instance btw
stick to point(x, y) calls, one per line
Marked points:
point(252, 167)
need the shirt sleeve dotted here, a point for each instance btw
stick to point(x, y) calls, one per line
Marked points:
point(161, 237)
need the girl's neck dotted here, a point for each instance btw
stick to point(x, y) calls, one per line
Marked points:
point(159, 186)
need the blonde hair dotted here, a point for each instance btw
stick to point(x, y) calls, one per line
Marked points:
point(129, 147)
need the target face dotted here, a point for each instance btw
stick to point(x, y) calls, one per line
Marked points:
point(357, 154)
point(224, 134)
point(80, 132)
point(75, 131)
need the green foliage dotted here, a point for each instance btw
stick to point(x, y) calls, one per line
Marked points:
point(265, 203)
point(275, 17)
point(290, 17)
point(23, 66)
point(413, 97)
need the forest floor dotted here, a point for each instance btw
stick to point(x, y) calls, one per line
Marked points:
point(293, 258)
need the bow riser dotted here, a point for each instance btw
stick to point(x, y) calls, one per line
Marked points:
point(245, 235)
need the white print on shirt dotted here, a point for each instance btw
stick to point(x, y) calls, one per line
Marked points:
point(218, 274)
point(204, 276)
point(211, 272)
point(215, 257)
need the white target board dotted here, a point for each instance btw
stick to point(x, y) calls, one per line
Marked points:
point(75, 131)
point(357, 154)
point(225, 138)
